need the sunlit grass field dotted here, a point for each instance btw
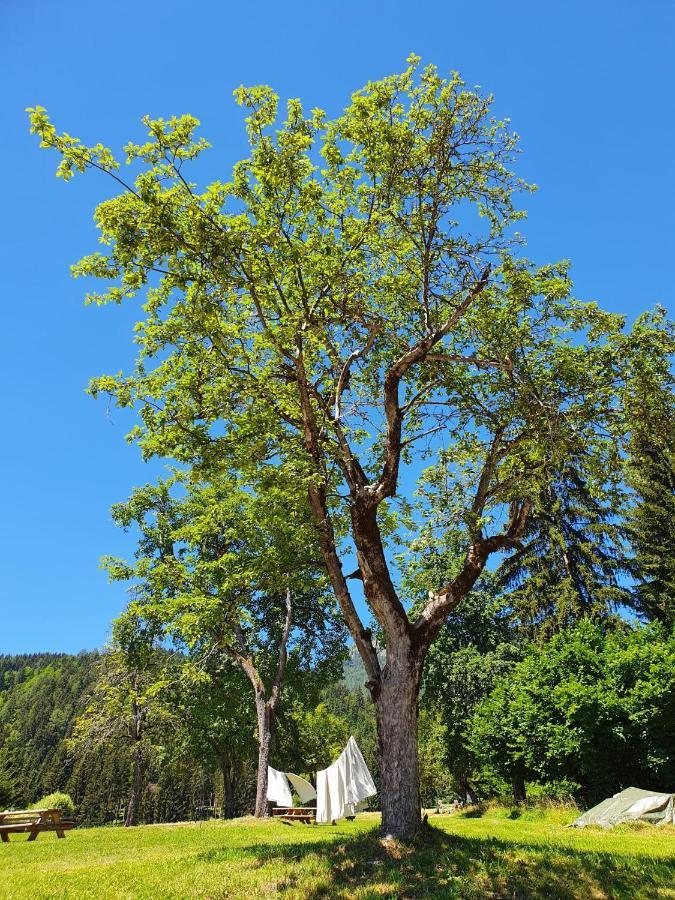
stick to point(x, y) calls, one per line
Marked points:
point(493, 854)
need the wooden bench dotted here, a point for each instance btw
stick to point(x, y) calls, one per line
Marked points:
point(306, 814)
point(33, 821)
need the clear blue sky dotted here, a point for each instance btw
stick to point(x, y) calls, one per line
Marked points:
point(590, 86)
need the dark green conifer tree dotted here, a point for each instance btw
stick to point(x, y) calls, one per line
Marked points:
point(650, 471)
point(574, 561)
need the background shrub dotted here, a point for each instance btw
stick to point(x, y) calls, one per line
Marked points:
point(57, 800)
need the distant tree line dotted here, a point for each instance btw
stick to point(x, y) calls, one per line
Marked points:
point(41, 698)
point(581, 715)
point(87, 726)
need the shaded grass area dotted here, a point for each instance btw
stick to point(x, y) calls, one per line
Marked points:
point(480, 856)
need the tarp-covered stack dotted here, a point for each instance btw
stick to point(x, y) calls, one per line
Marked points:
point(631, 805)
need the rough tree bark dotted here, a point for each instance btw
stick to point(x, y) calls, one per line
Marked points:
point(396, 710)
point(266, 704)
point(136, 735)
point(518, 787)
point(266, 742)
point(467, 789)
point(227, 766)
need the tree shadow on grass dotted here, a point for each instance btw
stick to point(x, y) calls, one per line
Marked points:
point(442, 865)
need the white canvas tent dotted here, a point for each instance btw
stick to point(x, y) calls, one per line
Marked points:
point(631, 805)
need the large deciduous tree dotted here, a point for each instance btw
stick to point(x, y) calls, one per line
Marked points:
point(123, 707)
point(347, 306)
point(223, 570)
point(590, 708)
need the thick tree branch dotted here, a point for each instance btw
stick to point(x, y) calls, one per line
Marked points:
point(277, 683)
point(377, 584)
point(361, 635)
point(385, 486)
point(318, 503)
point(442, 602)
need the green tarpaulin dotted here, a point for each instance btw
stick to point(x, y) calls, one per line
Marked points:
point(631, 805)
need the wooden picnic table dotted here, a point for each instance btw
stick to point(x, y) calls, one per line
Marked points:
point(304, 814)
point(32, 821)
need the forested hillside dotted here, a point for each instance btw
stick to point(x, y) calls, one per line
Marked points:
point(42, 696)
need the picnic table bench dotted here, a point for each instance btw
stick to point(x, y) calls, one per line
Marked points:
point(304, 814)
point(33, 821)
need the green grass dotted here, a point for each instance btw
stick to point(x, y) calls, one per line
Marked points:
point(494, 853)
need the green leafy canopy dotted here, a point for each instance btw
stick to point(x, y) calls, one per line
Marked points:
point(348, 304)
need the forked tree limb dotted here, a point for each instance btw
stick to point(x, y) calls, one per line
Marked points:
point(319, 506)
point(245, 661)
point(386, 484)
point(441, 603)
point(247, 665)
point(277, 683)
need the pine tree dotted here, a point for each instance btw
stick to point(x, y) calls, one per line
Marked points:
point(573, 556)
point(652, 526)
point(650, 471)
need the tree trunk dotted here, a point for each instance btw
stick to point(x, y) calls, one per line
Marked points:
point(518, 786)
point(396, 713)
point(266, 708)
point(467, 790)
point(133, 808)
point(227, 768)
point(266, 736)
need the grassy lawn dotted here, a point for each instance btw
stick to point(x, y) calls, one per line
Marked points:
point(491, 855)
